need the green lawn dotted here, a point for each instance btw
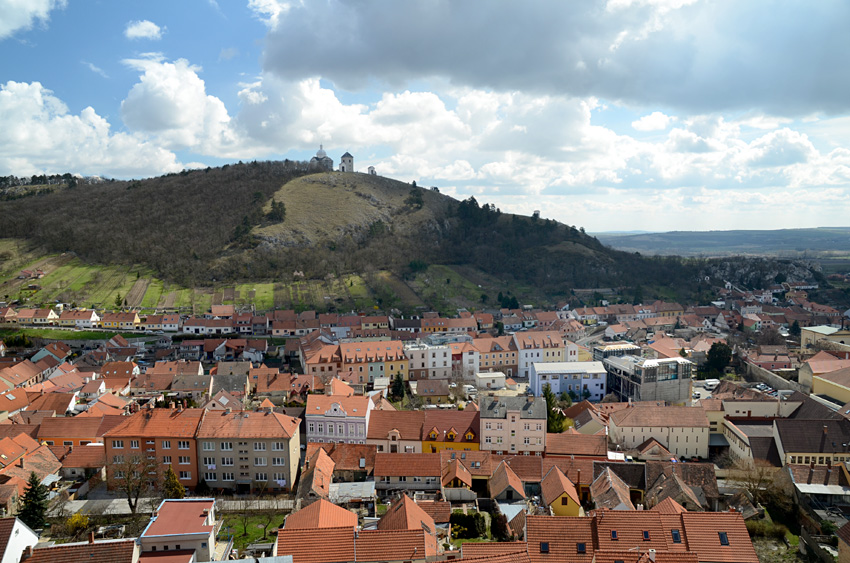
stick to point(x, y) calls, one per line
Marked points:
point(233, 524)
point(50, 334)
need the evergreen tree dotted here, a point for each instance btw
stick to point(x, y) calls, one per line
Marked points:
point(795, 329)
point(33, 508)
point(554, 416)
point(172, 487)
point(398, 387)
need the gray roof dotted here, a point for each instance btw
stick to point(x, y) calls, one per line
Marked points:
point(498, 407)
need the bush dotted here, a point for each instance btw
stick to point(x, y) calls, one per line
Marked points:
point(468, 526)
point(765, 529)
point(77, 523)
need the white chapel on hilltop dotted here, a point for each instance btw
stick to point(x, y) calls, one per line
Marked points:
point(346, 163)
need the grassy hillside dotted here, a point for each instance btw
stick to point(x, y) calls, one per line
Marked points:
point(346, 240)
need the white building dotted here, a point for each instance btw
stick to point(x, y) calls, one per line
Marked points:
point(184, 524)
point(428, 362)
point(564, 377)
point(16, 537)
point(684, 431)
point(491, 380)
point(346, 163)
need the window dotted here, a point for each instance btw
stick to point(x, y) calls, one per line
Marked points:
point(261, 477)
point(209, 461)
point(183, 445)
point(166, 444)
point(166, 459)
point(311, 427)
point(259, 446)
point(228, 461)
point(118, 459)
point(581, 548)
point(677, 536)
point(134, 444)
point(488, 425)
point(278, 461)
point(278, 446)
point(402, 479)
point(526, 440)
point(119, 474)
point(117, 443)
point(279, 476)
point(67, 443)
point(544, 547)
point(184, 460)
point(209, 446)
point(185, 475)
point(227, 476)
point(724, 539)
point(227, 446)
point(646, 535)
point(613, 534)
point(259, 461)
point(210, 477)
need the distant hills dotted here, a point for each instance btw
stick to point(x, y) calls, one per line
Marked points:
point(792, 243)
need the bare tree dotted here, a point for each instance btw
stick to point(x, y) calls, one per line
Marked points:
point(133, 476)
point(757, 477)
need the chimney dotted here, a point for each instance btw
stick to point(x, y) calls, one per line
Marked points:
point(171, 405)
point(824, 429)
point(91, 537)
point(27, 553)
point(21, 463)
point(651, 555)
point(578, 476)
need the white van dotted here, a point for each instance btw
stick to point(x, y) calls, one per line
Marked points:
point(711, 384)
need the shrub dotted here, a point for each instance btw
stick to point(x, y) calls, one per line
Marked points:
point(77, 523)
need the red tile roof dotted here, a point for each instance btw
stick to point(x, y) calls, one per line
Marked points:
point(159, 423)
point(109, 551)
point(561, 534)
point(183, 516)
point(247, 424)
point(439, 510)
point(407, 464)
point(404, 514)
point(310, 545)
point(321, 514)
point(703, 530)
point(555, 484)
point(577, 444)
point(394, 545)
point(408, 423)
point(504, 478)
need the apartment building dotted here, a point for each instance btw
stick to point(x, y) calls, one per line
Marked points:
point(165, 434)
point(544, 346)
point(426, 361)
point(248, 451)
point(513, 425)
point(343, 419)
point(684, 431)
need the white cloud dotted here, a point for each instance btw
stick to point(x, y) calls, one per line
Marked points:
point(143, 29)
point(16, 15)
point(269, 11)
point(655, 121)
point(170, 102)
point(41, 135)
point(95, 69)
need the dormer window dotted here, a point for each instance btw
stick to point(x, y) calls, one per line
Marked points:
point(451, 435)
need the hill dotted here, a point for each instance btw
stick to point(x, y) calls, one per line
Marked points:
point(281, 234)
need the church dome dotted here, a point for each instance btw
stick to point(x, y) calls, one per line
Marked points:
point(321, 152)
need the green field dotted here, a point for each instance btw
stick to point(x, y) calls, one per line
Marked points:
point(57, 334)
point(68, 279)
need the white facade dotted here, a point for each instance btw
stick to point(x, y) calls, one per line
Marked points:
point(346, 163)
point(20, 538)
point(564, 377)
point(490, 380)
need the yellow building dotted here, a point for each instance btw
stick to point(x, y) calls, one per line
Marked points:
point(450, 430)
point(559, 494)
point(835, 384)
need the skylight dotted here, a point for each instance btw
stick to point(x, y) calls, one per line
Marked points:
point(544, 547)
point(581, 548)
point(724, 539)
point(677, 537)
point(613, 534)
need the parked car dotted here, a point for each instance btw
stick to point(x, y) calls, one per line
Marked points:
point(696, 395)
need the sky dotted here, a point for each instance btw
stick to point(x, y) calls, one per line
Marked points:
point(614, 115)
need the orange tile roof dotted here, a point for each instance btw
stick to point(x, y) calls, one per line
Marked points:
point(183, 516)
point(439, 510)
point(69, 427)
point(668, 506)
point(390, 545)
point(310, 545)
point(321, 514)
point(408, 423)
point(577, 444)
point(87, 457)
point(356, 406)
point(703, 530)
point(561, 534)
point(404, 514)
point(555, 484)
point(474, 550)
point(407, 464)
point(109, 551)
point(247, 424)
point(630, 527)
point(504, 477)
point(159, 422)
point(346, 457)
point(455, 469)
